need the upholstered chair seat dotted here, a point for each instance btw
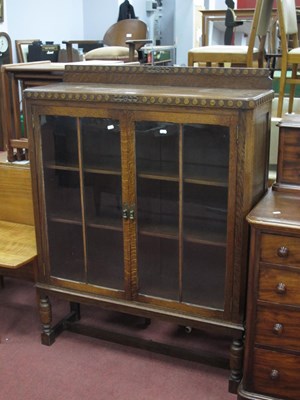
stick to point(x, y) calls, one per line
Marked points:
point(110, 53)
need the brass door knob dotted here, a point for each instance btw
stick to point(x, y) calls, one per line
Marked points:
point(281, 288)
point(282, 252)
point(278, 329)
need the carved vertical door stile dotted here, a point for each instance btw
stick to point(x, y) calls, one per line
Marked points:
point(180, 212)
point(232, 215)
point(128, 199)
point(38, 159)
point(82, 199)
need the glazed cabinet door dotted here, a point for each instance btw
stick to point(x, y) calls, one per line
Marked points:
point(138, 207)
point(81, 167)
point(182, 213)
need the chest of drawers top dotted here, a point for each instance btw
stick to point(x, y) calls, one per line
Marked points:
point(277, 210)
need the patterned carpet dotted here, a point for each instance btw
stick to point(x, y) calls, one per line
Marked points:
point(79, 367)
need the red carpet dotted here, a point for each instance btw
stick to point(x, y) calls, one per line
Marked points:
point(78, 367)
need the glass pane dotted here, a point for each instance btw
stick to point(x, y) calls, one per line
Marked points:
point(66, 250)
point(158, 267)
point(205, 213)
point(105, 258)
point(62, 191)
point(206, 153)
point(204, 275)
point(103, 201)
point(157, 148)
point(205, 192)
point(59, 136)
point(158, 207)
point(157, 160)
point(101, 144)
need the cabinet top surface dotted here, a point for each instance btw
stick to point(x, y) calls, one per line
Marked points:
point(205, 87)
point(277, 209)
point(169, 95)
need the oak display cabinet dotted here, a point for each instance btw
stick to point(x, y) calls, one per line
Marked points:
point(142, 179)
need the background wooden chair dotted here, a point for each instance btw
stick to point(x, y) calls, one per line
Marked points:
point(71, 54)
point(239, 55)
point(290, 52)
point(121, 41)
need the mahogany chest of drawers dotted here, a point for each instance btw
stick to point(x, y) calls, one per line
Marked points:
point(272, 356)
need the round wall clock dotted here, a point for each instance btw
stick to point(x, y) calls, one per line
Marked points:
point(5, 49)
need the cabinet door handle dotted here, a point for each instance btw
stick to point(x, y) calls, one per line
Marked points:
point(282, 252)
point(131, 215)
point(274, 374)
point(278, 329)
point(281, 288)
point(125, 213)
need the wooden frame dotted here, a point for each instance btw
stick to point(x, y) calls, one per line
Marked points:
point(1, 11)
point(209, 16)
point(21, 47)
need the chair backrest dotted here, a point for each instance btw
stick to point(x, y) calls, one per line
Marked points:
point(260, 25)
point(288, 26)
point(126, 29)
point(16, 203)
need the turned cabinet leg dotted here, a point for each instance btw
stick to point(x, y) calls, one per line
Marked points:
point(47, 336)
point(236, 364)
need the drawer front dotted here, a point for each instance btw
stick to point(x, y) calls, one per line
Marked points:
point(283, 250)
point(278, 327)
point(279, 286)
point(276, 374)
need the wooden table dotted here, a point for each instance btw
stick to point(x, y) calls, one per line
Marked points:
point(15, 78)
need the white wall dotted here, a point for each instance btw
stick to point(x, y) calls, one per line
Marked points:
point(3, 25)
point(56, 21)
point(184, 31)
point(99, 15)
point(168, 22)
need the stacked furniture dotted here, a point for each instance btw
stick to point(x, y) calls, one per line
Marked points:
point(272, 355)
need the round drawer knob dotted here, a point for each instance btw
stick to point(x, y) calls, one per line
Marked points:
point(278, 329)
point(281, 288)
point(283, 252)
point(274, 375)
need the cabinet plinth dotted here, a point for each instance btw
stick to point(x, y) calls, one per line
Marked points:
point(143, 177)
